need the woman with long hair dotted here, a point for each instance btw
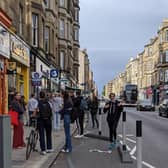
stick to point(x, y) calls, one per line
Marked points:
point(66, 113)
point(18, 132)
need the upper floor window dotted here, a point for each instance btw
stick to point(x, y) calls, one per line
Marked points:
point(76, 35)
point(62, 28)
point(20, 20)
point(76, 15)
point(47, 3)
point(46, 38)
point(149, 51)
point(35, 29)
point(62, 57)
point(166, 35)
point(42, 32)
point(68, 31)
point(62, 3)
point(164, 57)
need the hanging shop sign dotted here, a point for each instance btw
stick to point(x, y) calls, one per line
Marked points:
point(36, 78)
point(4, 42)
point(53, 73)
point(20, 50)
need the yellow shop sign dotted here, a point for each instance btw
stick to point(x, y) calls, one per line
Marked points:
point(20, 51)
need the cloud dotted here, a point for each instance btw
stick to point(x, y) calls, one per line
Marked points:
point(115, 30)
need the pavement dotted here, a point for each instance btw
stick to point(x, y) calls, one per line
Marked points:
point(81, 148)
point(36, 160)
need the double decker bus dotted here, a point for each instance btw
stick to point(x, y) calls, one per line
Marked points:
point(130, 93)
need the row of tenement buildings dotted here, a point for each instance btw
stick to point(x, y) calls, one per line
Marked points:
point(39, 47)
point(149, 70)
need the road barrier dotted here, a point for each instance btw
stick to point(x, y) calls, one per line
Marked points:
point(139, 143)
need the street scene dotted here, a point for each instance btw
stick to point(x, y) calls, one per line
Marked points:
point(83, 84)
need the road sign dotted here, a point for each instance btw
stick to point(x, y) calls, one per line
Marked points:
point(36, 78)
point(54, 73)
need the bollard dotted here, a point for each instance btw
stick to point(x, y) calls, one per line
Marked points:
point(124, 153)
point(139, 143)
point(100, 120)
point(124, 131)
point(5, 142)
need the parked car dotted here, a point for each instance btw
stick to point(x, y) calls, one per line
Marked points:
point(145, 105)
point(163, 108)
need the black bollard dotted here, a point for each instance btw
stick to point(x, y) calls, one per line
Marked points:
point(139, 143)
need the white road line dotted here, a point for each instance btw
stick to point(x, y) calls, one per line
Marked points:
point(128, 135)
point(131, 140)
point(144, 163)
point(133, 151)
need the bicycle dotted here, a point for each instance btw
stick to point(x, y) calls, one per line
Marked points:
point(32, 139)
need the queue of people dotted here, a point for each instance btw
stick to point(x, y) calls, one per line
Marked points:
point(60, 106)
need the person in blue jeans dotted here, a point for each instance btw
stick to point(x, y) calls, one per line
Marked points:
point(66, 115)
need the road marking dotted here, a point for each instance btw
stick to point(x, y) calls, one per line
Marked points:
point(128, 135)
point(128, 139)
point(133, 151)
point(144, 163)
point(100, 151)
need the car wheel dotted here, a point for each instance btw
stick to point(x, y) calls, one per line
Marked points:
point(160, 114)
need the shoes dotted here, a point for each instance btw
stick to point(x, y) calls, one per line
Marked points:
point(43, 153)
point(65, 150)
point(50, 150)
point(78, 136)
point(112, 146)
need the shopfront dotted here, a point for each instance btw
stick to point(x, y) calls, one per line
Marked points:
point(4, 56)
point(18, 66)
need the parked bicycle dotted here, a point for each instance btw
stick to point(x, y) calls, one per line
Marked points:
point(32, 139)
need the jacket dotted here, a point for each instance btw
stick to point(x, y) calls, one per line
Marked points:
point(113, 112)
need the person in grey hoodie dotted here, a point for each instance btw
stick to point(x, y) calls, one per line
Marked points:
point(57, 104)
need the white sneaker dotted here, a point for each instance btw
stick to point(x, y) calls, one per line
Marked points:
point(77, 136)
point(65, 150)
point(50, 150)
point(43, 153)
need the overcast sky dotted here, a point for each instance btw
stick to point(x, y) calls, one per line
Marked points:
point(113, 31)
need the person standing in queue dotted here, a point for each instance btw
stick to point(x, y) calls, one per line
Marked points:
point(66, 116)
point(113, 109)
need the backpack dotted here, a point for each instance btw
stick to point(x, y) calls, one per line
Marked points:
point(83, 104)
point(45, 110)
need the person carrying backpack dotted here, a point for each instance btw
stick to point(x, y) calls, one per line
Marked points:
point(44, 115)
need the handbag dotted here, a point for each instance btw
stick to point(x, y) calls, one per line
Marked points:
point(14, 117)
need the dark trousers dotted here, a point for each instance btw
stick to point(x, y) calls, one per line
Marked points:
point(112, 132)
point(45, 129)
point(94, 119)
point(81, 120)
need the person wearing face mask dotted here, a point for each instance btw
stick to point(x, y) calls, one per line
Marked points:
point(113, 109)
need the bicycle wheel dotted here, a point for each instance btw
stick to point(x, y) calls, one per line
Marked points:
point(35, 138)
point(29, 146)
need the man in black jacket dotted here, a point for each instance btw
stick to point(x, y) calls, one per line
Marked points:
point(114, 109)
